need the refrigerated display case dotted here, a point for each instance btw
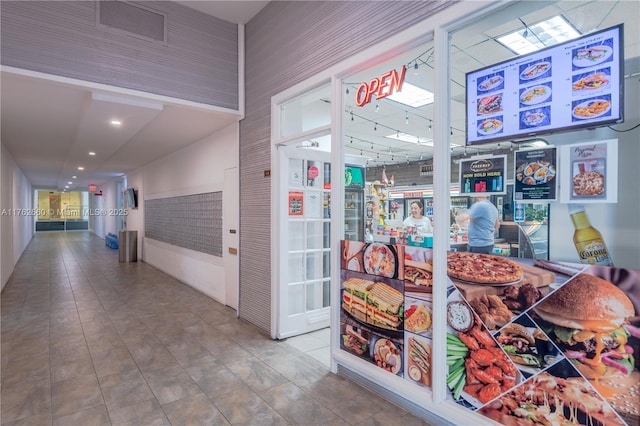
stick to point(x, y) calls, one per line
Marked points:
point(354, 215)
point(354, 203)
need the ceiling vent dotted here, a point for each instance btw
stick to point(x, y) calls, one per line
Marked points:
point(135, 20)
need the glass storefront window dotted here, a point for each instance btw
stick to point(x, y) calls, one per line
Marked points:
point(63, 205)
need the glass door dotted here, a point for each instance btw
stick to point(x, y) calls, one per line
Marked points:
point(305, 269)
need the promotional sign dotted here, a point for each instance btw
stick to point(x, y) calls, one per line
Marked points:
point(483, 175)
point(535, 175)
point(526, 339)
point(296, 204)
point(589, 172)
point(544, 340)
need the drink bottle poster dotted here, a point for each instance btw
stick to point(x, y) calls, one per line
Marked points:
point(485, 175)
point(589, 172)
point(535, 175)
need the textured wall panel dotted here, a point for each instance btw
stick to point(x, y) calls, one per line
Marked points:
point(286, 43)
point(190, 221)
point(198, 62)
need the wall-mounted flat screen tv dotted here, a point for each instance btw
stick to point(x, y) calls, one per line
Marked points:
point(132, 198)
point(572, 85)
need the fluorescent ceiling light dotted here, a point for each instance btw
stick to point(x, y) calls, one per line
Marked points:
point(92, 153)
point(80, 168)
point(116, 123)
point(405, 137)
point(538, 36)
point(412, 96)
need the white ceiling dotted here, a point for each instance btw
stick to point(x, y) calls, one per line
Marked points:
point(472, 48)
point(49, 127)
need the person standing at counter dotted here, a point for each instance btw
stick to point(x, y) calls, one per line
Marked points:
point(483, 222)
point(417, 220)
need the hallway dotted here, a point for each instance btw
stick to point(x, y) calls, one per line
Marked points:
point(90, 341)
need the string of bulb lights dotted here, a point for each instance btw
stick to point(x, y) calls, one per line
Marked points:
point(385, 153)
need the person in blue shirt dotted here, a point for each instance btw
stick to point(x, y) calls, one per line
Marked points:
point(483, 222)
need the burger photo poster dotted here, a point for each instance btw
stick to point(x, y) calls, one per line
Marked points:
point(585, 334)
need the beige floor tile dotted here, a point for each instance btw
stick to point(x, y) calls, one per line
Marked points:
point(171, 384)
point(88, 340)
point(75, 394)
point(194, 410)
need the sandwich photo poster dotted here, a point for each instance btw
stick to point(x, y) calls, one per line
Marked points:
point(553, 341)
point(381, 321)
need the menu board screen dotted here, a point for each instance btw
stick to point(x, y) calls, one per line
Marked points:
point(570, 85)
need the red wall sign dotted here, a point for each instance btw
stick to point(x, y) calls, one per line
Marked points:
point(382, 86)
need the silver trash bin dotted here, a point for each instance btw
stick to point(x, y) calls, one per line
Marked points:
point(128, 246)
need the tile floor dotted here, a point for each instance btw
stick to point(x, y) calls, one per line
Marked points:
point(87, 340)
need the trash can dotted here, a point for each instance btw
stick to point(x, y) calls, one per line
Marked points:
point(128, 246)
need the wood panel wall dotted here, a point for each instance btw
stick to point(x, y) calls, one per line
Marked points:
point(286, 43)
point(199, 61)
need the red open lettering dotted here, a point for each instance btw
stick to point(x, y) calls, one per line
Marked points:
point(382, 87)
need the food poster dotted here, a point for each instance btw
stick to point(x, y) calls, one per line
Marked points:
point(372, 303)
point(483, 175)
point(399, 339)
point(542, 342)
point(535, 173)
point(418, 313)
point(590, 172)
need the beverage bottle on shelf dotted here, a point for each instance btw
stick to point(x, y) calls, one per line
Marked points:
point(587, 239)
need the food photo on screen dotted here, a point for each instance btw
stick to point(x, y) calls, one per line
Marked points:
point(585, 109)
point(490, 126)
point(593, 54)
point(588, 83)
point(490, 104)
point(536, 70)
point(535, 95)
point(535, 118)
point(491, 82)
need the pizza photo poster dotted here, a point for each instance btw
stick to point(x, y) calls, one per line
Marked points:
point(589, 172)
point(551, 341)
point(535, 175)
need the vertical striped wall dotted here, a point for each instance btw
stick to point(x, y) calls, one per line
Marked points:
point(286, 43)
point(199, 61)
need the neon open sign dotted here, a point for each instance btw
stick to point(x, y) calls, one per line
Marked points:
point(383, 86)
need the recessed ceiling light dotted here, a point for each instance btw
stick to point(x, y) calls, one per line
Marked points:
point(538, 36)
point(116, 123)
point(92, 153)
point(75, 177)
point(405, 137)
point(80, 168)
point(70, 183)
point(66, 186)
point(412, 96)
